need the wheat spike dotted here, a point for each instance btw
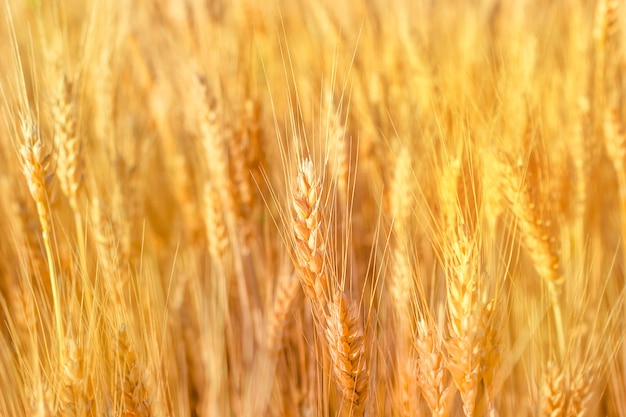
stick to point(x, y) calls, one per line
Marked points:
point(132, 385)
point(67, 141)
point(346, 345)
point(308, 232)
point(432, 374)
point(36, 167)
point(553, 392)
point(75, 397)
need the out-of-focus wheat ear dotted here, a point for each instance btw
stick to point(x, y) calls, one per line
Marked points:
point(177, 167)
point(286, 294)
point(580, 394)
point(535, 235)
point(76, 398)
point(401, 286)
point(309, 235)
point(35, 159)
point(215, 146)
point(68, 144)
point(340, 148)
point(217, 235)
point(104, 116)
point(449, 195)
point(346, 345)
point(136, 397)
point(553, 391)
point(432, 375)
point(615, 141)
point(400, 191)
point(406, 391)
point(580, 151)
point(239, 146)
point(491, 351)
point(605, 24)
point(257, 159)
point(107, 249)
point(30, 245)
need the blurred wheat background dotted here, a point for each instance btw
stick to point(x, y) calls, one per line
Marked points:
point(327, 208)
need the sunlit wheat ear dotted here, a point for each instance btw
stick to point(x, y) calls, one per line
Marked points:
point(542, 247)
point(346, 345)
point(136, 398)
point(465, 344)
point(309, 234)
point(75, 395)
point(432, 375)
point(35, 160)
point(553, 391)
point(580, 394)
point(68, 144)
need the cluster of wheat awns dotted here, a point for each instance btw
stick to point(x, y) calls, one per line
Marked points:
point(293, 208)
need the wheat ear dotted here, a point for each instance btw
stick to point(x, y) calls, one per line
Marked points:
point(580, 394)
point(309, 236)
point(132, 386)
point(535, 236)
point(346, 345)
point(36, 167)
point(465, 343)
point(286, 294)
point(553, 392)
point(70, 164)
point(432, 374)
point(75, 397)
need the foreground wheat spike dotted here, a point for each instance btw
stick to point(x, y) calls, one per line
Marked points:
point(75, 396)
point(35, 160)
point(466, 340)
point(432, 374)
point(309, 236)
point(535, 236)
point(132, 385)
point(346, 345)
point(70, 164)
point(553, 392)
point(580, 394)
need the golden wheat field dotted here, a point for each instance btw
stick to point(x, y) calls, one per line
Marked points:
point(312, 208)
